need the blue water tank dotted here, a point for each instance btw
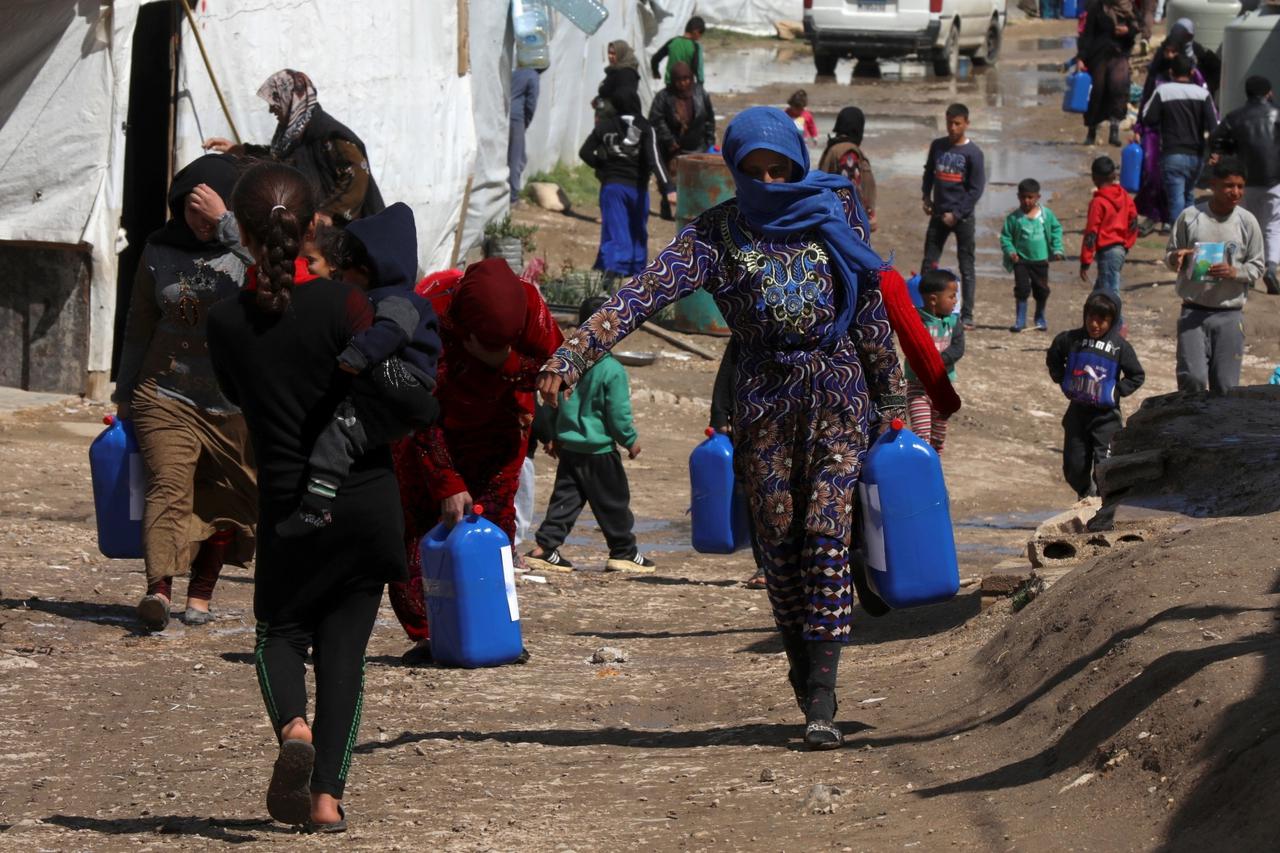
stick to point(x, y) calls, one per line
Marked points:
point(1075, 98)
point(1131, 167)
point(718, 508)
point(119, 489)
point(1070, 9)
point(906, 521)
point(469, 582)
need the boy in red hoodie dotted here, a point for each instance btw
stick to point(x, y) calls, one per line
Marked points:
point(1110, 230)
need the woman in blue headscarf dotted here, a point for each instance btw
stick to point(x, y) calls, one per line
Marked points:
point(788, 264)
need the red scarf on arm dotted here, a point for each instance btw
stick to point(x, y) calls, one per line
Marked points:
point(917, 345)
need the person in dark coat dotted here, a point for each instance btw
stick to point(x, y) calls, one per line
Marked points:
point(1110, 28)
point(332, 157)
point(683, 120)
point(844, 156)
point(621, 75)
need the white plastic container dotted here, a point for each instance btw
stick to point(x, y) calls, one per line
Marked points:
point(1250, 45)
point(531, 20)
point(1210, 17)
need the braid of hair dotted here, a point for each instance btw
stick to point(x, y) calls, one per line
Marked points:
point(282, 242)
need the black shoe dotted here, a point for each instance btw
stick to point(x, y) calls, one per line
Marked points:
point(547, 561)
point(1270, 280)
point(419, 655)
point(1091, 138)
point(153, 611)
point(821, 731)
point(1113, 138)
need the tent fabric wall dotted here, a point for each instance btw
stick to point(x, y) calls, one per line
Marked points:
point(747, 16)
point(491, 42)
point(388, 69)
point(65, 71)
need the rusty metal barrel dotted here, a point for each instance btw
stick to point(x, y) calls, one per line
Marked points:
point(702, 182)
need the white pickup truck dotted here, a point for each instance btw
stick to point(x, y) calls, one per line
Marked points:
point(937, 31)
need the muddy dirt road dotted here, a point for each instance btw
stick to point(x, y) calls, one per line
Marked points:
point(117, 740)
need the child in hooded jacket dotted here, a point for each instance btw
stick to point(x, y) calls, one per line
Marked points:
point(1095, 367)
point(398, 353)
point(1110, 230)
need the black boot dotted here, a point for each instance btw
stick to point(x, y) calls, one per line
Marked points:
point(1113, 138)
point(1091, 138)
point(821, 731)
point(798, 656)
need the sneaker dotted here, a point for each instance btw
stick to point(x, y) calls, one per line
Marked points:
point(1146, 226)
point(1042, 325)
point(550, 561)
point(638, 563)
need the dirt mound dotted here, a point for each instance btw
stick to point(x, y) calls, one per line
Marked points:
point(1199, 455)
point(1144, 688)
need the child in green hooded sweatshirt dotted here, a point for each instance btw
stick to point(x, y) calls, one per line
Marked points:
point(1032, 236)
point(589, 426)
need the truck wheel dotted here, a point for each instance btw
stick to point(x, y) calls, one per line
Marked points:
point(990, 50)
point(946, 63)
point(825, 63)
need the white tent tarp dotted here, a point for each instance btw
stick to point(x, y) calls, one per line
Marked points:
point(64, 81)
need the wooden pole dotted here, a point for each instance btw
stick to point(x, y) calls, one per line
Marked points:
point(462, 223)
point(208, 66)
point(464, 37)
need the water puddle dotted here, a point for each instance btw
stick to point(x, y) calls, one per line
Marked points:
point(1028, 520)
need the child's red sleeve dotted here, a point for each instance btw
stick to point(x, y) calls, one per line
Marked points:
point(810, 126)
point(1089, 245)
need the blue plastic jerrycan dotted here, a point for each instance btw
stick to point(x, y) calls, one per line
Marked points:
point(1131, 167)
point(469, 582)
point(906, 521)
point(1070, 9)
point(718, 508)
point(1075, 98)
point(119, 489)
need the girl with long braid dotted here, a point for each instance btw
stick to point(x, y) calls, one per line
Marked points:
point(275, 352)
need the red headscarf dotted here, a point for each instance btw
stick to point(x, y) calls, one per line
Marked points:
point(490, 304)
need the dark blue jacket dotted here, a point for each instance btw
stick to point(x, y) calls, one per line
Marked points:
point(404, 323)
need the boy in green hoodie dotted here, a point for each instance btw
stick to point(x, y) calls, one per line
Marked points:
point(589, 425)
point(1032, 236)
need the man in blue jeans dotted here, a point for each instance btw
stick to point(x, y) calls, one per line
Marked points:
point(1185, 116)
point(524, 100)
point(954, 178)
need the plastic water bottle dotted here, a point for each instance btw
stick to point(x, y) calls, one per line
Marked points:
point(718, 508)
point(119, 489)
point(1075, 98)
point(586, 15)
point(469, 582)
point(906, 521)
point(531, 20)
point(1131, 167)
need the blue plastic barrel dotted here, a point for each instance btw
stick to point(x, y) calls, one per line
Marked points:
point(119, 489)
point(1075, 99)
point(469, 583)
point(1131, 167)
point(718, 508)
point(906, 521)
point(1070, 9)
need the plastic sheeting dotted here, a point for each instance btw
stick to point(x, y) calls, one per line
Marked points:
point(65, 71)
point(745, 16)
point(388, 69)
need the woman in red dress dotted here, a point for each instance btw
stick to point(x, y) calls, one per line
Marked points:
point(497, 333)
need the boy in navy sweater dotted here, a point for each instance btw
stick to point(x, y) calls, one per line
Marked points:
point(954, 177)
point(397, 354)
point(1095, 367)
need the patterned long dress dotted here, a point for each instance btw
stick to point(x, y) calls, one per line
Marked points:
point(803, 411)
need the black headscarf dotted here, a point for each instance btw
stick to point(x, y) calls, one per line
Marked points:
point(220, 173)
point(850, 125)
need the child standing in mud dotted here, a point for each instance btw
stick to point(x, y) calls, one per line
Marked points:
point(1095, 367)
point(817, 374)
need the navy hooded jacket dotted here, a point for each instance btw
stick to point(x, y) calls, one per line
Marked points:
point(404, 323)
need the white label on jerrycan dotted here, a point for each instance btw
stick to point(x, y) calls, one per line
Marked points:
point(509, 580)
point(872, 526)
point(137, 486)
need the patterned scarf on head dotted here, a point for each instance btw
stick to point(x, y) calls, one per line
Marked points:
point(294, 96)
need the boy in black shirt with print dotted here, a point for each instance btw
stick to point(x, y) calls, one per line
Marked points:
point(954, 177)
point(1095, 367)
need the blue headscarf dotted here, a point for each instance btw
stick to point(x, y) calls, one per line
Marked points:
point(807, 202)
